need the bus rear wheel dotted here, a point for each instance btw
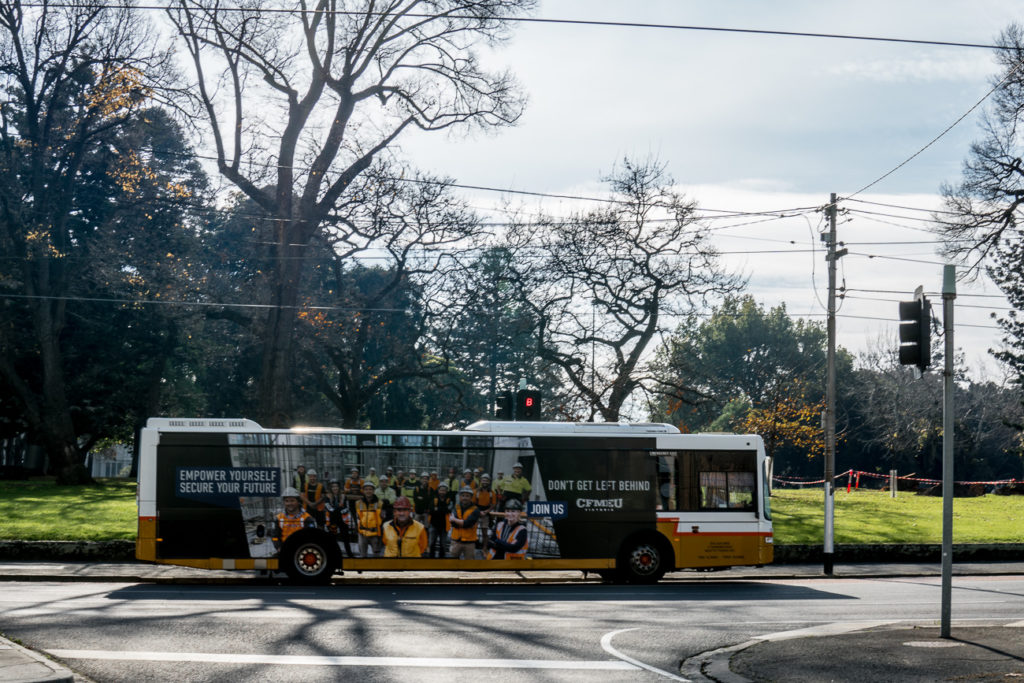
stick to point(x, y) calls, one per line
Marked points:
point(307, 557)
point(643, 560)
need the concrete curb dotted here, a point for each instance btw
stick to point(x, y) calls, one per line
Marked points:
point(901, 552)
point(68, 551)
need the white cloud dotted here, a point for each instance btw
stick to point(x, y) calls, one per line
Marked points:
point(973, 67)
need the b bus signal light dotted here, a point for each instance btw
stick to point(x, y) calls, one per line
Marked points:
point(527, 405)
point(915, 332)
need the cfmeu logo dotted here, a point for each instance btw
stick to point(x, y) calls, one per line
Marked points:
point(599, 503)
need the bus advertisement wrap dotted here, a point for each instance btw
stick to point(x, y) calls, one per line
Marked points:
point(577, 503)
point(537, 496)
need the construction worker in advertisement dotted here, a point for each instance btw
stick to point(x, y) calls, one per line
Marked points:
point(369, 522)
point(464, 520)
point(314, 498)
point(453, 480)
point(353, 490)
point(509, 540)
point(404, 536)
point(387, 497)
point(373, 478)
point(338, 516)
point(292, 519)
point(299, 480)
point(440, 521)
point(516, 487)
point(421, 498)
point(485, 499)
point(354, 485)
point(407, 486)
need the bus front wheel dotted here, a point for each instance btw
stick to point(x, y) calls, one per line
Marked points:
point(643, 559)
point(307, 557)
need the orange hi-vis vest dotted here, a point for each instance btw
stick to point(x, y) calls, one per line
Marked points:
point(354, 487)
point(407, 541)
point(485, 498)
point(464, 534)
point(369, 518)
point(289, 524)
point(505, 532)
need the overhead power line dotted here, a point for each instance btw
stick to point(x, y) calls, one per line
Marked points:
point(578, 22)
point(938, 137)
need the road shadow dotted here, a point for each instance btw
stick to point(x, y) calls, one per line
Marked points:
point(385, 593)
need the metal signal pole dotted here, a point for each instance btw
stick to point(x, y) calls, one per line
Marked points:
point(948, 296)
point(831, 257)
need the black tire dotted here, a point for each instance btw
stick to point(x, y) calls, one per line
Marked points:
point(309, 557)
point(644, 559)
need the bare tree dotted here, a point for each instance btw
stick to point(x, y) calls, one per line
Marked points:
point(601, 282)
point(981, 224)
point(302, 99)
point(71, 76)
point(386, 311)
point(984, 211)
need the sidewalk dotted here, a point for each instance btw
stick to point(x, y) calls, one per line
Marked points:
point(837, 652)
point(907, 654)
point(20, 665)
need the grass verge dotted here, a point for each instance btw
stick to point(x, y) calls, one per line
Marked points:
point(874, 517)
point(38, 510)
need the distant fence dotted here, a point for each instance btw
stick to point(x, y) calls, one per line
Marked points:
point(853, 480)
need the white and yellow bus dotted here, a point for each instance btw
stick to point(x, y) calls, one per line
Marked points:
point(627, 501)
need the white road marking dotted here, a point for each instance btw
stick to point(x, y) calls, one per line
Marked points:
point(831, 629)
point(606, 645)
point(322, 660)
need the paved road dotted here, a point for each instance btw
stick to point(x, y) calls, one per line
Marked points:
point(522, 632)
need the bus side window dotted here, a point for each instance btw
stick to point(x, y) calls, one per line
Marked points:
point(741, 490)
point(667, 483)
point(733, 490)
point(714, 490)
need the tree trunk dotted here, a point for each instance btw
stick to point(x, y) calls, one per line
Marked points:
point(276, 404)
point(56, 430)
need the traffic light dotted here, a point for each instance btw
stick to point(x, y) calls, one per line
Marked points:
point(503, 409)
point(527, 405)
point(915, 332)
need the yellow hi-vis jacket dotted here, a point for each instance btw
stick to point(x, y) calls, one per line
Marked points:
point(407, 541)
point(369, 518)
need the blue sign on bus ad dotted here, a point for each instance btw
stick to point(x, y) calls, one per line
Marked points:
point(555, 509)
point(225, 485)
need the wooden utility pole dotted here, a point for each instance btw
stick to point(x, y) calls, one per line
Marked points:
point(832, 256)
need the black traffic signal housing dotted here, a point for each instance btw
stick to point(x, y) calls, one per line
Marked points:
point(503, 409)
point(915, 332)
point(527, 405)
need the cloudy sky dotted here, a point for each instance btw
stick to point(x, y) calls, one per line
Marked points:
point(760, 123)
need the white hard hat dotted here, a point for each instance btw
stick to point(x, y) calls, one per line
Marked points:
point(290, 492)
